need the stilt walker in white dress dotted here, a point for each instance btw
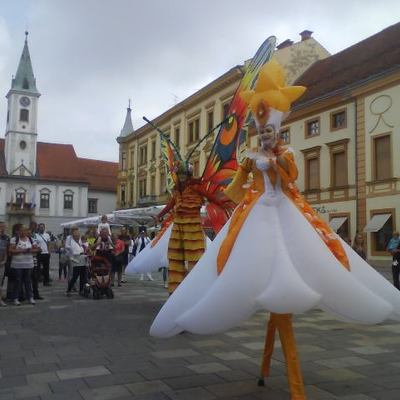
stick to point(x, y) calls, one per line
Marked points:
point(275, 252)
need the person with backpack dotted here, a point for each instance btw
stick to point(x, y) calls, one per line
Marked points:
point(22, 250)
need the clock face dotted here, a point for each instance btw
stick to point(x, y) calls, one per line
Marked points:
point(24, 101)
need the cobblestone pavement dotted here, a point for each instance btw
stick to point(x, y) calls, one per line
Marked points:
point(76, 348)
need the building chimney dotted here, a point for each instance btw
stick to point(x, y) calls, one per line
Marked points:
point(284, 44)
point(305, 35)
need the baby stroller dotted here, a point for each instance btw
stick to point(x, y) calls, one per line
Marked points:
point(100, 278)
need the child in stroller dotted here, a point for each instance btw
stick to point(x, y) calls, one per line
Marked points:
point(100, 278)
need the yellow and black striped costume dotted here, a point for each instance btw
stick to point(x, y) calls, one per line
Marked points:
point(186, 244)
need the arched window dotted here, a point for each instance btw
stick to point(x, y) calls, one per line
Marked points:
point(45, 198)
point(20, 196)
point(68, 200)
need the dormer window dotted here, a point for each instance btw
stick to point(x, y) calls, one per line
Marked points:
point(25, 84)
point(24, 115)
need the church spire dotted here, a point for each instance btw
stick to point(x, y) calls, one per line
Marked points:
point(24, 79)
point(128, 127)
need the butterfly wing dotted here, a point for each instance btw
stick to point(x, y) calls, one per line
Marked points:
point(223, 160)
point(170, 155)
point(224, 157)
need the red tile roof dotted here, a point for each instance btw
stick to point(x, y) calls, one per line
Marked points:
point(102, 175)
point(367, 59)
point(59, 163)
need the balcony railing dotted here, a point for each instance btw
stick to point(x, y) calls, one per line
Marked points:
point(21, 208)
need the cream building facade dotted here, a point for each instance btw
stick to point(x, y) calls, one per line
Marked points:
point(346, 134)
point(141, 177)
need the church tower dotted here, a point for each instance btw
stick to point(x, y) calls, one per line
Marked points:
point(21, 128)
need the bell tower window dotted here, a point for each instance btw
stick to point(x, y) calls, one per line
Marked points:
point(25, 84)
point(24, 115)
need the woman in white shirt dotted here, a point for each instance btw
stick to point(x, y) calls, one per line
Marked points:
point(22, 250)
point(78, 261)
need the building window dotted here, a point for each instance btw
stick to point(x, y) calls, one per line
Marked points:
point(312, 168)
point(380, 239)
point(131, 186)
point(382, 158)
point(142, 188)
point(123, 195)
point(210, 121)
point(153, 150)
point(225, 109)
point(194, 131)
point(177, 136)
point(132, 159)
point(285, 135)
point(143, 155)
point(123, 160)
point(92, 206)
point(20, 198)
point(338, 120)
point(68, 201)
point(24, 115)
point(163, 183)
point(339, 169)
point(312, 174)
point(153, 185)
point(312, 128)
point(44, 200)
point(338, 157)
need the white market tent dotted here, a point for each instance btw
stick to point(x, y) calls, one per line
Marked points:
point(134, 216)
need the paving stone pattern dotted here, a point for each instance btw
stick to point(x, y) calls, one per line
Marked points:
point(76, 348)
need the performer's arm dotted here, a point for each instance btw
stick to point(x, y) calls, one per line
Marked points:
point(167, 208)
point(235, 190)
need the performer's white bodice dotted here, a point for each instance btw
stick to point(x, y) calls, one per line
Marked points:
point(271, 193)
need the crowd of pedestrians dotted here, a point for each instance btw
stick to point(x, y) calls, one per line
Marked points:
point(25, 258)
point(24, 261)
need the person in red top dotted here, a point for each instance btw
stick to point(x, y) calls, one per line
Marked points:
point(118, 258)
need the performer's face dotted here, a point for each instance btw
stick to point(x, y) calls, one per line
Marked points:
point(268, 129)
point(268, 137)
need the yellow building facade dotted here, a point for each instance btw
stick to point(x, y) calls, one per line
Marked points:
point(141, 176)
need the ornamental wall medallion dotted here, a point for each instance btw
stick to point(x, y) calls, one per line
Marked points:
point(378, 107)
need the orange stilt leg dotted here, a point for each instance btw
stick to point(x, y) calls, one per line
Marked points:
point(268, 350)
point(283, 322)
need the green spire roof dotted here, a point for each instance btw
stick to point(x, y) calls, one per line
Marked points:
point(128, 127)
point(24, 79)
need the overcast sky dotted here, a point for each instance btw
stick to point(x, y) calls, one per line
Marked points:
point(90, 56)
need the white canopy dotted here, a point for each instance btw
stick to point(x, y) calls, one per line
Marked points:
point(376, 222)
point(336, 222)
point(134, 216)
point(88, 221)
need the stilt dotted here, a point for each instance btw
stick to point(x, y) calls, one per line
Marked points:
point(268, 350)
point(283, 322)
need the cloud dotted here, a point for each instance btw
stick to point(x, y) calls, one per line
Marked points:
point(90, 56)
